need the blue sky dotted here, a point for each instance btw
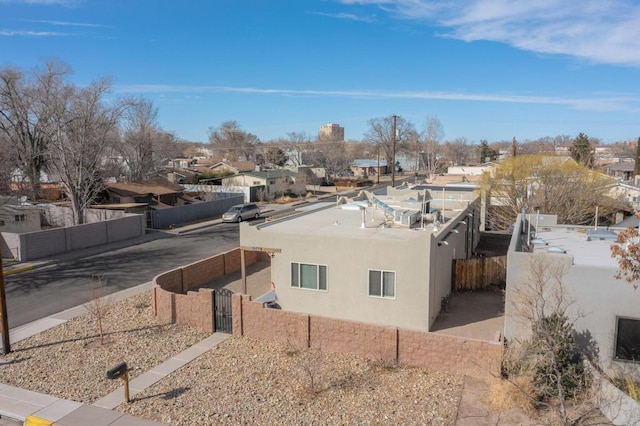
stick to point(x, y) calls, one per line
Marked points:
point(488, 69)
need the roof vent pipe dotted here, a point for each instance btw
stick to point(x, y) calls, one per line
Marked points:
point(364, 217)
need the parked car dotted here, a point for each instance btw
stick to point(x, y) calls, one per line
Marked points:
point(241, 212)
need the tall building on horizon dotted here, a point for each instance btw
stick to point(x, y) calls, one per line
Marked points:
point(331, 132)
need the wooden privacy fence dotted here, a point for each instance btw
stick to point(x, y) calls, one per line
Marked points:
point(481, 273)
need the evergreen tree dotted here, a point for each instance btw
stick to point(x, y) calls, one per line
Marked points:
point(581, 150)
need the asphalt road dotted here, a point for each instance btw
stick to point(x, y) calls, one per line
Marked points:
point(69, 282)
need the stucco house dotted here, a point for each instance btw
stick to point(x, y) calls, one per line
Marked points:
point(264, 185)
point(377, 259)
point(606, 309)
point(153, 193)
point(365, 167)
point(20, 219)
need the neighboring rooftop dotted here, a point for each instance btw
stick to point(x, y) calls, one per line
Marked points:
point(345, 220)
point(592, 251)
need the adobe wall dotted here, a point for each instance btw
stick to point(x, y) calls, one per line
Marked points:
point(415, 348)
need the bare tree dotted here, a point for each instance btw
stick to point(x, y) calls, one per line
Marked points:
point(82, 129)
point(26, 108)
point(145, 147)
point(230, 139)
point(380, 133)
point(6, 165)
point(99, 305)
point(432, 134)
point(457, 151)
point(297, 143)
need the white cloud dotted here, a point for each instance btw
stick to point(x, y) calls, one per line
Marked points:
point(17, 33)
point(600, 31)
point(47, 2)
point(596, 103)
point(347, 16)
point(66, 24)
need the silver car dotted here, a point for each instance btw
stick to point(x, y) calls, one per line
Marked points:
point(241, 212)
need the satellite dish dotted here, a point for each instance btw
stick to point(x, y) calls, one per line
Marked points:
point(23, 199)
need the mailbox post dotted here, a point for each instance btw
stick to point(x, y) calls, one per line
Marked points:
point(120, 371)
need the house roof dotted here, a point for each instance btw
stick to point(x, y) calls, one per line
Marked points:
point(143, 188)
point(240, 166)
point(368, 163)
point(624, 166)
point(272, 174)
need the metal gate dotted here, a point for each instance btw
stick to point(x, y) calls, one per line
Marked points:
point(222, 307)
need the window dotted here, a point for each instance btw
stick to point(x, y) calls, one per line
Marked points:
point(628, 340)
point(309, 276)
point(382, 284)
point(1, 222)
point(20, 218)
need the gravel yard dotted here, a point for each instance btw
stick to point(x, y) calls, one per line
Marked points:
point(247, 381)
point(68, 361)
point(242, 381)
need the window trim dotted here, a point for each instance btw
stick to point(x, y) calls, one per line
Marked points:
point(317, 265)
point(615, 341)
point(20, 217)
point(382, 296)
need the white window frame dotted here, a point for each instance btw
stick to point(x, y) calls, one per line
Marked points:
point(382, 272)
point(615, 347)
point(317, 265)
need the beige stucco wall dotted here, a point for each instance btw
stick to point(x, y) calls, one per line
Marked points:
point(423, 273)
point(595, 298)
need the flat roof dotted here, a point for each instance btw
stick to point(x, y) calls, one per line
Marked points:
point(346, 221)
point(594, 252)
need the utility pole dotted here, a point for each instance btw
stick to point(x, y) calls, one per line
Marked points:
point(393, 156)
point(378, 172)
point(4, 320)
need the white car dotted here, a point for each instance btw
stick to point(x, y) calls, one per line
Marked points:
point(241, 212)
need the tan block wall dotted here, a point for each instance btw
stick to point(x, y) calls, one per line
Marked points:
point(367, 340)
point(272, 324)
point(197, 273)
point(195, 309)
point(449, 353)
point(415, 348)
point(170, 281)
point(232, 261)
point(163, 304)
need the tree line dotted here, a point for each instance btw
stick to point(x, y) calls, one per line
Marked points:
point(78, 136)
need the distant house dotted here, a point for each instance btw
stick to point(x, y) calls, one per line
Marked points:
point(622, 170)
point(233, 167)
point(265, 185)
point(20, 219)
point(152, 193)
point(363, 167)
point(181, 163)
